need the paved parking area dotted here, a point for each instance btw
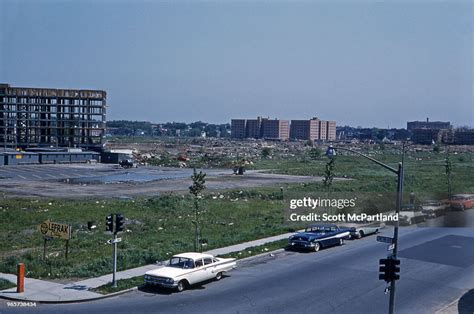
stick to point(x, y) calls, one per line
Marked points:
point(112, 181)
point(56, 172)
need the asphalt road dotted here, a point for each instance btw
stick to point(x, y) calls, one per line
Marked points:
point(437, 268)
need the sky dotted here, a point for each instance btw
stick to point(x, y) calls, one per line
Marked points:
point(360, 63)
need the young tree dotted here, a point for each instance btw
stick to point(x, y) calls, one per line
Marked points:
point(196, 190)
point(448, 169)
point(329, 173)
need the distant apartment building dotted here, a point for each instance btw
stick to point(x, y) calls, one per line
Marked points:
point(464, 137)
point(312, 129)
point(253, 128)
point(426, 136)
point(446, 136)
point(437, 125)
point(305, 129)
point(323, 129)
point(275, 129)
point(237, 128)
point(331, 131)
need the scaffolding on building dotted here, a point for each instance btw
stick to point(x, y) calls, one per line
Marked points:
point(35, 117)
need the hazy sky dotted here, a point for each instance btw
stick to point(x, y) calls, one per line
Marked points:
point(367, 63)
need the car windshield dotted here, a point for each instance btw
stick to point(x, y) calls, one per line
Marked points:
point(181, 262)
point(431, 203)
point(458, 197)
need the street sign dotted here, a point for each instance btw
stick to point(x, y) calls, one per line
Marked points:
point(390, 247)
point(384, 239)
point(112, 241)
point(55, 230)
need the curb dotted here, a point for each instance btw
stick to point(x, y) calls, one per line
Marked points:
point(261, 255)
point(70, 301)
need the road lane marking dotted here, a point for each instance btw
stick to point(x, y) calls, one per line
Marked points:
point(22, 177)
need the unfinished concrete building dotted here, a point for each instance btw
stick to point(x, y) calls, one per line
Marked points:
point(45, 117)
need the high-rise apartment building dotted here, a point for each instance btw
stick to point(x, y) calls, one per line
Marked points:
point(323, 130)
point(276, 129)
point(237, 128)
point(32, 117)
point(331, 130)
point(253, 128)
point(305, 129)
point(313, 129)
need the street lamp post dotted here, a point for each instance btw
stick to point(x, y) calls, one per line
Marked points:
point(331, 152)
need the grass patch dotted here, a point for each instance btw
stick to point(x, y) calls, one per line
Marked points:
point(156, 228)
point(5, 284)
point(255, 250)
point(122, 284)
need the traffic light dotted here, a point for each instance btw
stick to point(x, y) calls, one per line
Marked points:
point(119, 220)
point(395, 269)
point(109, 223)
point(389, 269)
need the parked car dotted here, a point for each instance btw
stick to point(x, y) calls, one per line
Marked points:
point(461, 201)
point(316, 237)
point(127, 163)
point(187, 269)
point(359, 232)
point(433, 208)
point(409, 217)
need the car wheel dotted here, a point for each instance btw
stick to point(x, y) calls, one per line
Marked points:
point(219, 276)
point(181, 286)
point(317, 246)
point(361, 234)
point(376, 231)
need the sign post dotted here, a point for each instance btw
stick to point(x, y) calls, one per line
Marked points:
point(114, 281)
point(114, 223)
point(51, 230)
point(44, 249)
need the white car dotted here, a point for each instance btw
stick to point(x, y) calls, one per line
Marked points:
point(188, 269)
point(433, 208)
point(407, 217)
point(359, 232)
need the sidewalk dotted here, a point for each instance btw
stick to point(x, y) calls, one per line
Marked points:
point(46, 291)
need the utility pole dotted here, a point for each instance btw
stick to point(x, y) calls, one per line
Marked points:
point(331, 152)
point(391, 307)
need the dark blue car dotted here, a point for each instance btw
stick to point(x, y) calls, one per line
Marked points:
point(318, 236)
